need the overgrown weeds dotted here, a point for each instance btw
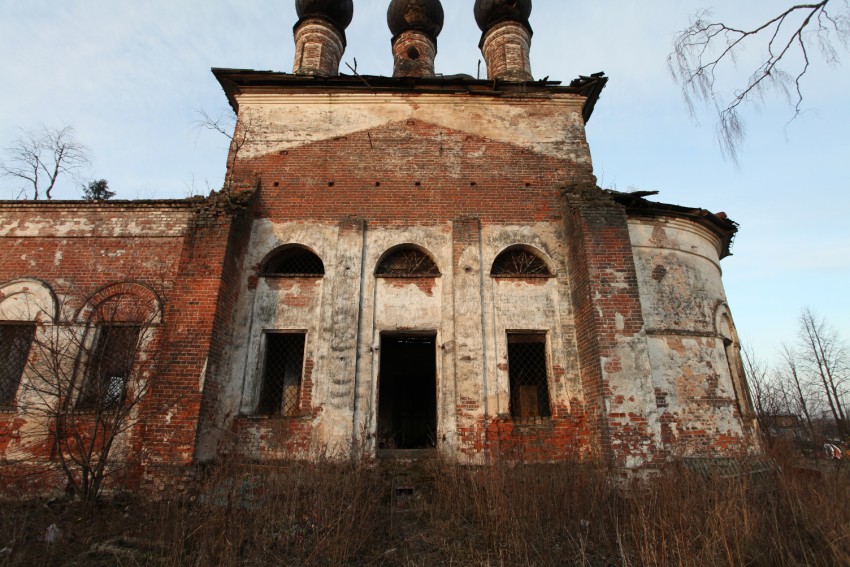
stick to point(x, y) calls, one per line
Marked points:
point(546, 515)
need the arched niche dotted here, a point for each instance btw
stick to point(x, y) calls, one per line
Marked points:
point(122, 302)
point(725, 329)
point(292, 260)
point(407, 261)
point(28, 300)
point(521, 261)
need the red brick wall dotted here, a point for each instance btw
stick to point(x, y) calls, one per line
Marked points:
point(405, 172)
point(604, 284)
point(178, 249)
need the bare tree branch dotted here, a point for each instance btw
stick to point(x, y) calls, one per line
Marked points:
point(239, 131)
point(39, 157)
point(86, 391)
point(826, 362)
point(706, 47)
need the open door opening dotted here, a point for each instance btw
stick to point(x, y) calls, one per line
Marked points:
point(407, 394)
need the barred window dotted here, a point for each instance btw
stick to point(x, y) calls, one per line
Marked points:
point(518, 261)
point(281, 387)
point(110, 365)
point(294, 261)
point(407, 262)
point(15, 342)
point(527, 374)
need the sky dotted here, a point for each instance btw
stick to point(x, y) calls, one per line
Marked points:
point(131, 77)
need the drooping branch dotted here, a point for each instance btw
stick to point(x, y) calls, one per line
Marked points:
point(702, 50)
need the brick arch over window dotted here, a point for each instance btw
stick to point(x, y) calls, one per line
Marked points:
point(117, 324)
point(521, 261)
point(28, 300)
point(293, 260)
point(123, 302)
point(406, 261)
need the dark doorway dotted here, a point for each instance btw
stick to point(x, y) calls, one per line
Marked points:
point(407, 395)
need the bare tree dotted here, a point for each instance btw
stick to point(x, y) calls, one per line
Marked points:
point(762, 391)
point(825, 358)
point(40, 157)
point(791, 377)
point(786, 41)
point(88, 385)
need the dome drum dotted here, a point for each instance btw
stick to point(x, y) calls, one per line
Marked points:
point(319, 47)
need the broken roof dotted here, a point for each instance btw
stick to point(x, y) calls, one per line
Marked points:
point(718, 223)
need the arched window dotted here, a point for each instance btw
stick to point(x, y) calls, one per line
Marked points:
point(121, 319)
point(23, 304)
point(294, 261)
point(407, 261)
point(520, 262)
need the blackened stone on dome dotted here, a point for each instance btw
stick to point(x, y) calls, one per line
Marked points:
point(423, 15)
point(490, 12)
point(339, 12)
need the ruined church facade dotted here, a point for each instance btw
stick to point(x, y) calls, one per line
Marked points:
point(417, 262)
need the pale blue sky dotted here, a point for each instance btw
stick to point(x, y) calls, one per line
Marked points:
point(129, 77)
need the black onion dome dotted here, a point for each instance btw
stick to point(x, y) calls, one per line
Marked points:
point(490, 12)
point(423, 15)
point(339, 12)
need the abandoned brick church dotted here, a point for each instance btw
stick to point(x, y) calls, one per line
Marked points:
point(394, 263)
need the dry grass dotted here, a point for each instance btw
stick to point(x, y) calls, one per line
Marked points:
point(568, 514)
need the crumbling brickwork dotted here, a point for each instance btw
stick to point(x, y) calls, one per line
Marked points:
point(175, 249)
point(395, 263)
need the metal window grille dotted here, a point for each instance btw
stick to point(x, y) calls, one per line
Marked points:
point(295, 261)
point(109, 367)
point(516, 262)
point(15, 341)
point(407, 263)
point(528, 377)
point(281, 388)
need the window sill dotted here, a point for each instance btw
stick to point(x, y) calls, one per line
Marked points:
point(522, 276)
point(292, 276)
point(276, 417)
point(408, 276)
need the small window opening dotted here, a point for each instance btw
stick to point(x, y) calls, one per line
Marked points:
point(407, 262)
point(527, 375)
point(413, 53)
point(519, 262)
point(295, 261)
point(15, 342)
point(109, 367)
point(282, 369)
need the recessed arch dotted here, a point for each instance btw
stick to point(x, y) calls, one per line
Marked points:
point(407, 261)
point(292, 260)
point(521, 261)
point(122, 302)
point(724, 326)
point(28, 299)
point(725, 329)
